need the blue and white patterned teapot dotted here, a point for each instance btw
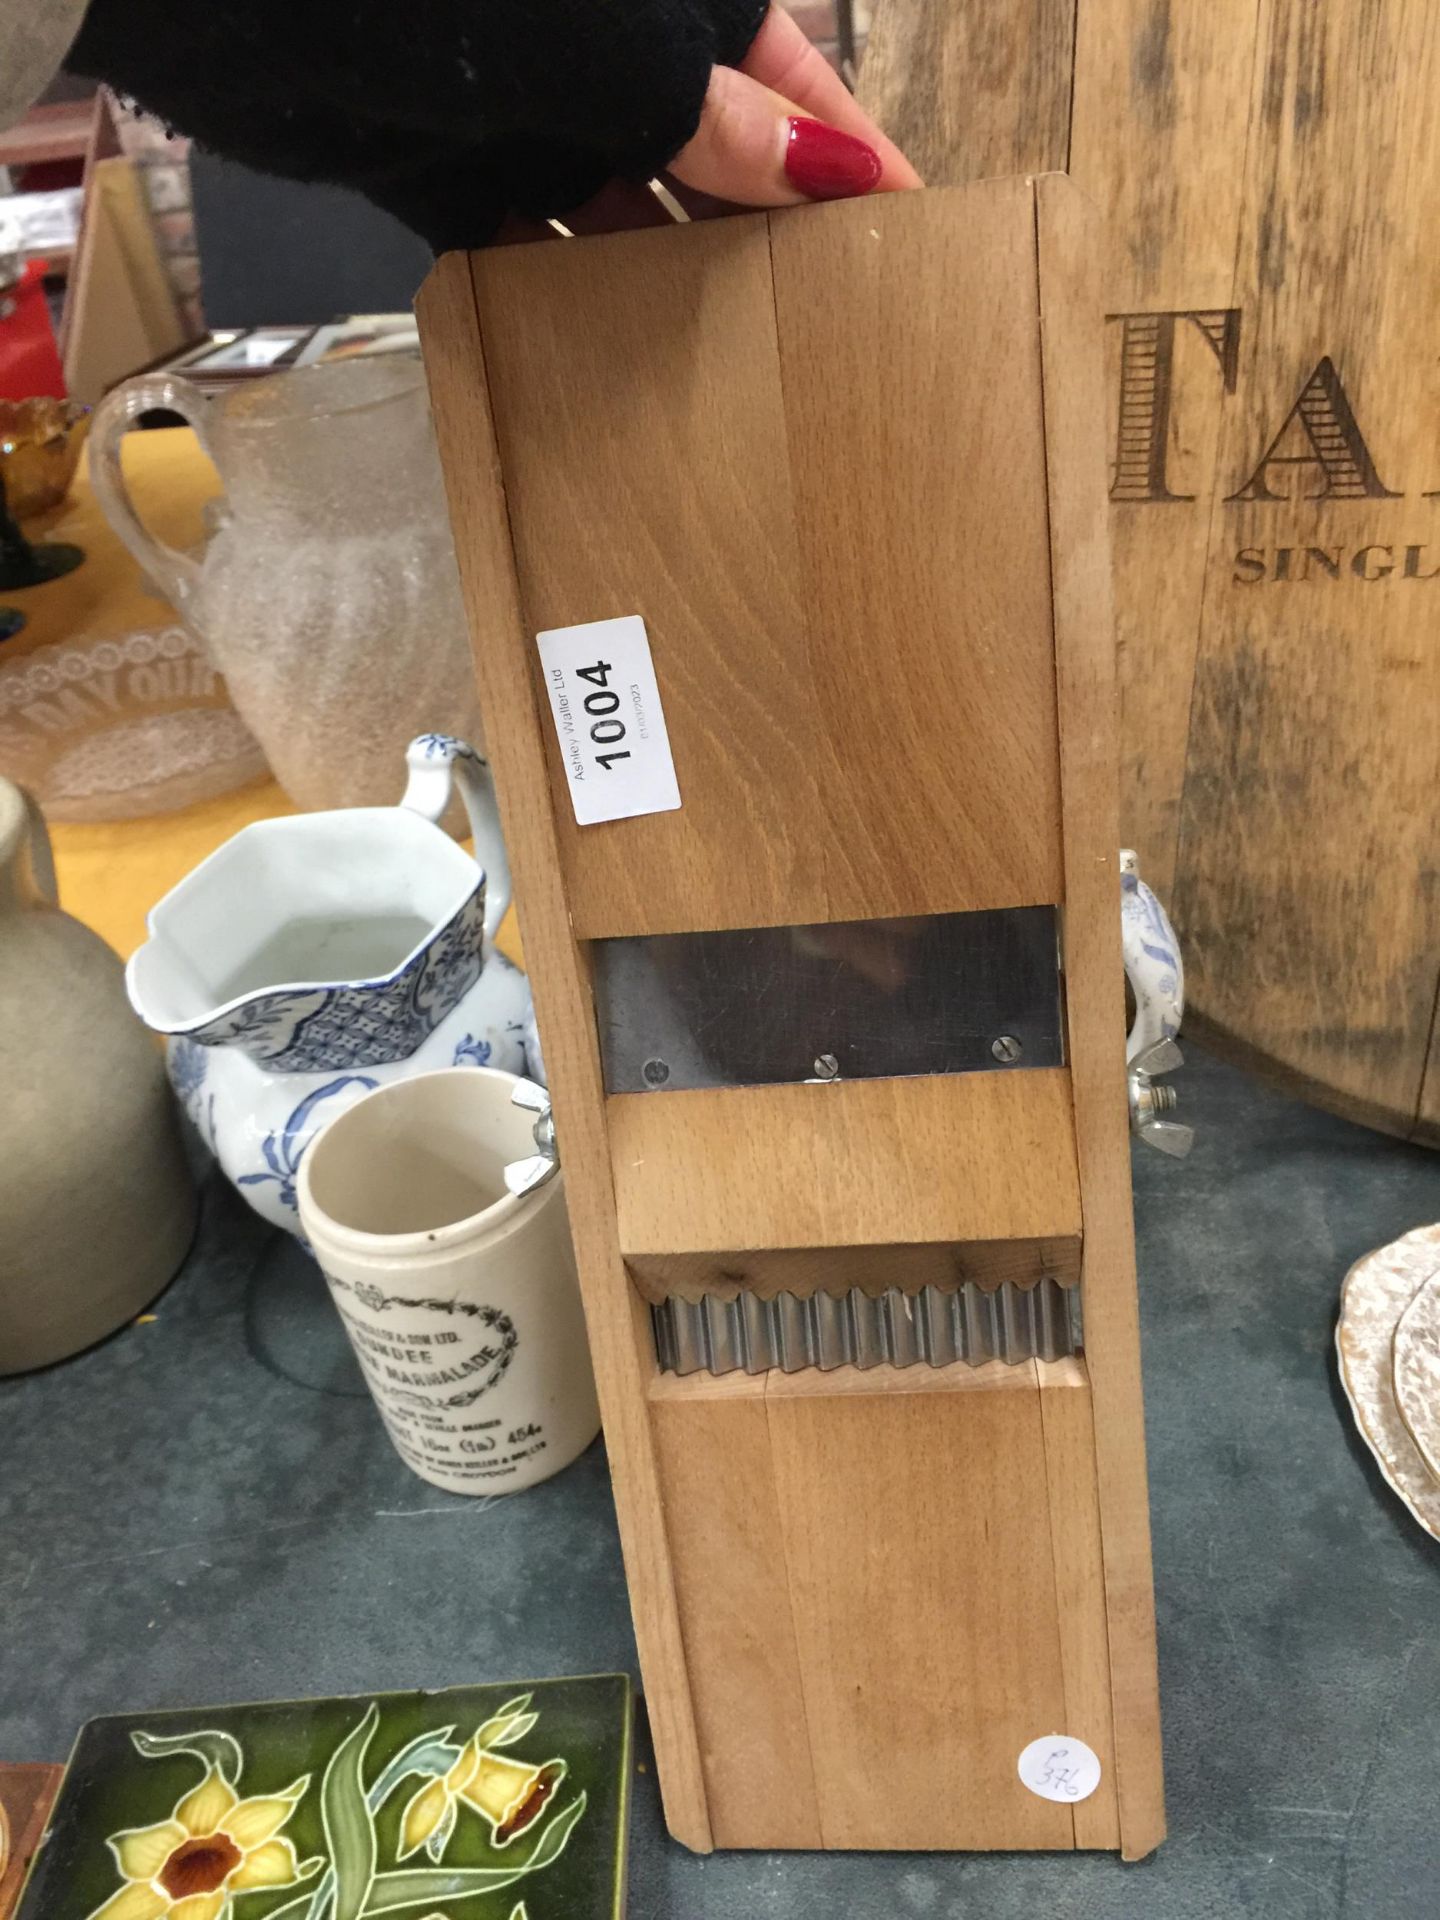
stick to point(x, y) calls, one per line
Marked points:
point(312, 959)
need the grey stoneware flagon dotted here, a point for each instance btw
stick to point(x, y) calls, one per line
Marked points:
point(97, 1203)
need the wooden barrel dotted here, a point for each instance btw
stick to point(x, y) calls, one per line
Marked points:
point(1271, 169)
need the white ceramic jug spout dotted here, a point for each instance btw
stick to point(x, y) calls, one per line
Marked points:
point(166, 989)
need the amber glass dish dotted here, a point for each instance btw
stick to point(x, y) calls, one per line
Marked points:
point(40, 442)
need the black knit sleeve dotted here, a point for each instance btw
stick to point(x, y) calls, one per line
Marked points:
point(451, 113)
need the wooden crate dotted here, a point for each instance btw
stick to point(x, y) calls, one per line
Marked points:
point(847, 463)
point(1270, 173)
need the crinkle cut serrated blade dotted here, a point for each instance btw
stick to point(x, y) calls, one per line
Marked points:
point(930, 1328)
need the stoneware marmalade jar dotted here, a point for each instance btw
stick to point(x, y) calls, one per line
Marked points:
point(455, 1282)
point(310, 960)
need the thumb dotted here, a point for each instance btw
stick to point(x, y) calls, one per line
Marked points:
point(756, 148)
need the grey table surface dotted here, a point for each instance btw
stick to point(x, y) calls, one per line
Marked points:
point(206, 1509)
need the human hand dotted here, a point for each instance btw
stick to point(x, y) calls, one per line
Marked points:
point(783, 128)
point(780, 128)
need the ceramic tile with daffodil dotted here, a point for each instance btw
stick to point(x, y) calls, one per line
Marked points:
point(213, 1846)
point(372, 1808)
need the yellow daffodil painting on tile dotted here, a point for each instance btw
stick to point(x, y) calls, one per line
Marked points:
point(424, 1806)
point(213, 1846)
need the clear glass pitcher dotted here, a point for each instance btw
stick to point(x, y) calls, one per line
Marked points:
point(328, 594)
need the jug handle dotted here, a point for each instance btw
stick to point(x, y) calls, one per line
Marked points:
point(1154, 964)
point(35, 873)
point(175, 573)
point(435, 761)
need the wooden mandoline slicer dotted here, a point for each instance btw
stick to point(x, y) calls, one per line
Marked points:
point(837, 1045)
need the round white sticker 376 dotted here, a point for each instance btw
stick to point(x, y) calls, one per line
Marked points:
point(1059, 1768)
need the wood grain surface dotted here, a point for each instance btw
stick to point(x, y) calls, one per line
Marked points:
point(502, 642)
point(972, 90)
point(1309, 889)
point(645, 460)
point(1070, 259)
point(722, 1510)
point(939, 1662)
point(1068, 1421)
point(814, 1733)
point(683, 459)
point(1270, 169)
point(766, 1271)
point(1180, 85)
point(946, 685)
point(942, 1157)
point(27, 1794)
point(917, 463)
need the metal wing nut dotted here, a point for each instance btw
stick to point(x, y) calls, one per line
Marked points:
point(524, 1176)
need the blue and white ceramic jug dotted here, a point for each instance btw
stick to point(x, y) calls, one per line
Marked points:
point(1156, 973)
point(312, 959)
point(1153, 963)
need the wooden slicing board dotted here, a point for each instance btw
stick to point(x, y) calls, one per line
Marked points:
point(781, 1492)
point(1270, 168)
point(887, 693)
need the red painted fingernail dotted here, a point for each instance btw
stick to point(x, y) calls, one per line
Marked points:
point(825, 164)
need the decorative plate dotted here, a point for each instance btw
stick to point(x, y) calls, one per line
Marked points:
point(1375, 1294)
point(477, 1803)
point(1416, 1366)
